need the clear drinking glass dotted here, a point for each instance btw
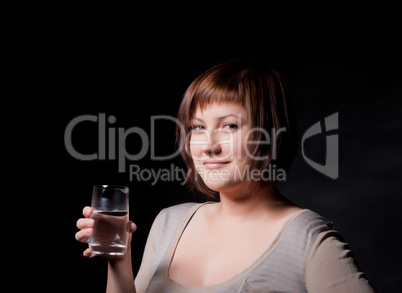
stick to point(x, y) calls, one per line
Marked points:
point(110, 204)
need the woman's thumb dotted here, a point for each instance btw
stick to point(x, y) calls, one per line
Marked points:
point(131, 227)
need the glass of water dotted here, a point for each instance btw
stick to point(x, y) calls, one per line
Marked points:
point(110, 212)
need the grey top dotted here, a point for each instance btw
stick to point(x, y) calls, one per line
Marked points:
point(308, 255)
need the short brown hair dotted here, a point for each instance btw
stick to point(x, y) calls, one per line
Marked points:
point(260, 90)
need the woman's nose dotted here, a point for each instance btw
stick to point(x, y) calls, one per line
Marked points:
point(212, 148)
point(212, 145)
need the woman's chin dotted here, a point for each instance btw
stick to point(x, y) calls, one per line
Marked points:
point(226, 187)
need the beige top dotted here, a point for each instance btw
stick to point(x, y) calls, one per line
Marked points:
point(308, 255)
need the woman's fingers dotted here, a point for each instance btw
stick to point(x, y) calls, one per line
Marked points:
point(87, 211)
point(83, 235)
point(85, 223)
point(88, 253)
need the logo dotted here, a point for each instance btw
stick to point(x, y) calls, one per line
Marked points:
point(112, 146)
point(330, 168)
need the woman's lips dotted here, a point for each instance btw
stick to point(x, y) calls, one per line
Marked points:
point(214, 164)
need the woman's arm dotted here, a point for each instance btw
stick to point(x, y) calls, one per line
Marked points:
point(331, 267)
point(120, 275)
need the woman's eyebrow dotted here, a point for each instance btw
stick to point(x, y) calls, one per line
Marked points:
point(229, 115)
point(195, 118)
point(219, 118)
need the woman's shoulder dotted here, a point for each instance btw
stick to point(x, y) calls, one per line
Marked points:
point(309, 223)
point(174, 214)
point(309, 216)
point(179, 209)
point(301, 231)
point(168, 221)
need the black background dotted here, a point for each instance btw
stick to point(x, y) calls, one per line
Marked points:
point(119, 69)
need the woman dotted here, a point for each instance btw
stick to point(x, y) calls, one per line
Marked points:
point(234, 127)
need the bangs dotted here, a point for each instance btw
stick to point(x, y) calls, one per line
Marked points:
point(223, 84)
point(217, 90)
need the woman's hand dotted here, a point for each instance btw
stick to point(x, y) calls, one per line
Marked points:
point(86, 229)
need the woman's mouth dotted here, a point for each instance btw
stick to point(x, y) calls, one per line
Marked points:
point(214, 164)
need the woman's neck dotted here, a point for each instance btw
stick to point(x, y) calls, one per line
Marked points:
point(249, 204)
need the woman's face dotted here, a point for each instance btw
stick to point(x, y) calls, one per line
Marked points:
point(218, 144)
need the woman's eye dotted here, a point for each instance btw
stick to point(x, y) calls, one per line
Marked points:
point(230, 126)
point(197, 128)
